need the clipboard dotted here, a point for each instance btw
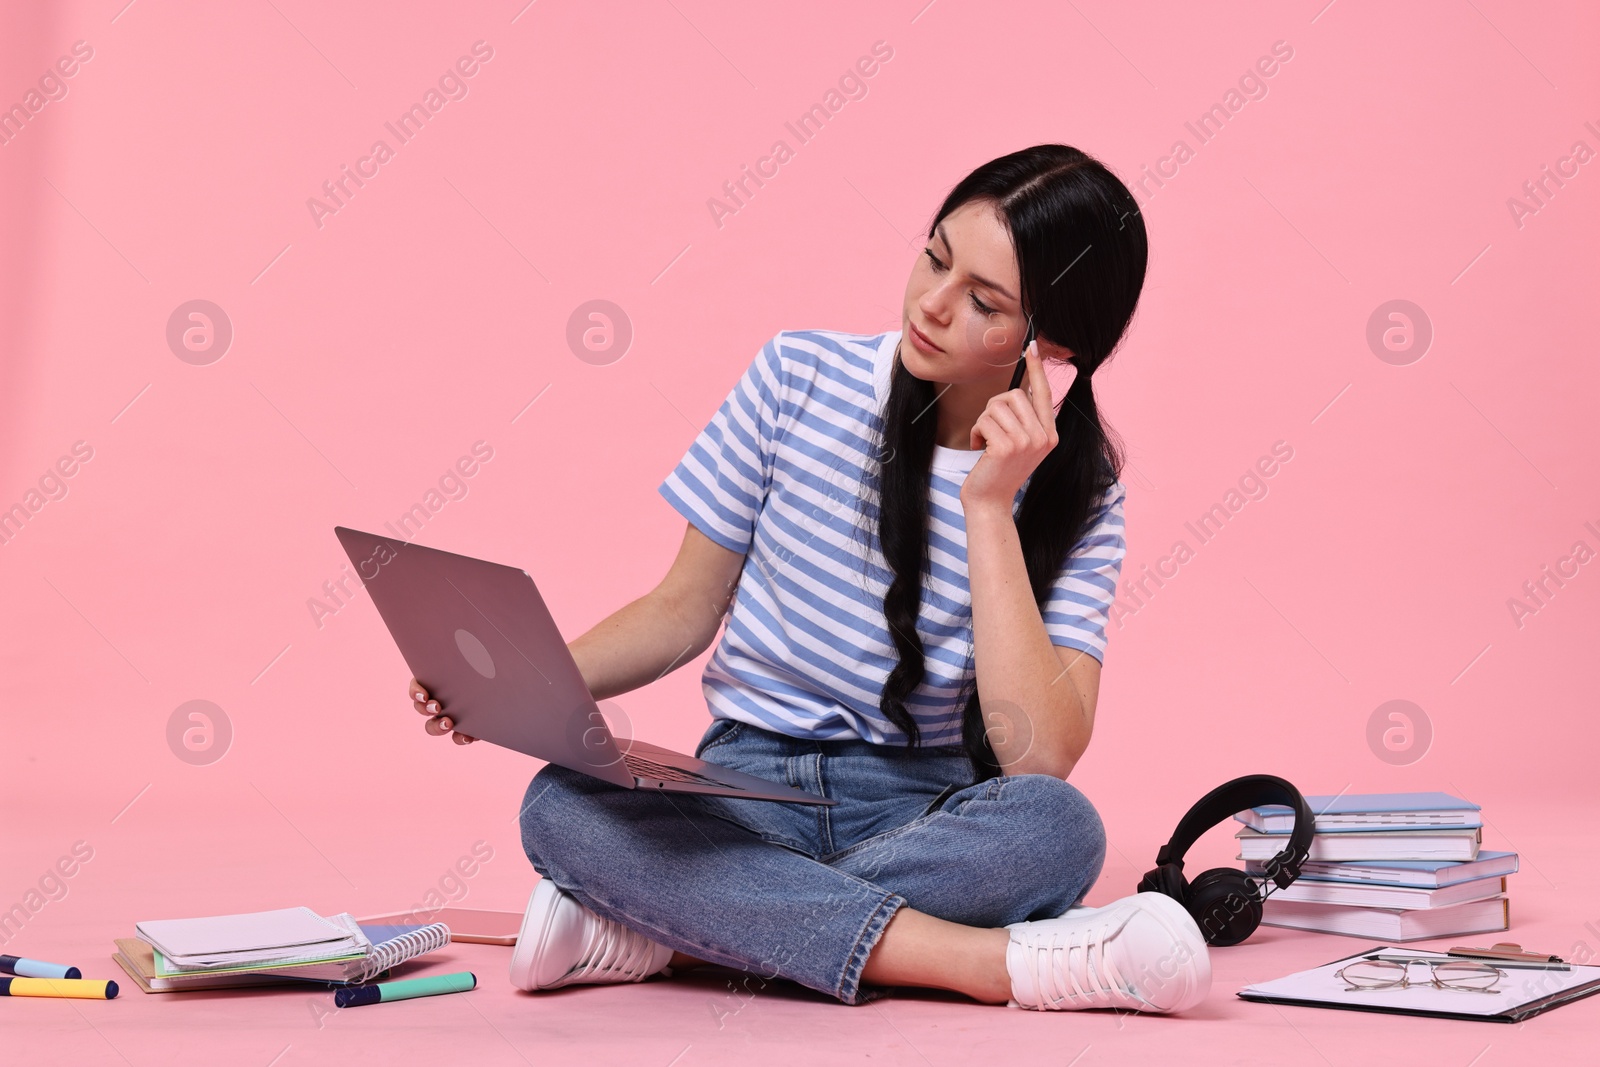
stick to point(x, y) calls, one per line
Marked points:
point(1527, 992)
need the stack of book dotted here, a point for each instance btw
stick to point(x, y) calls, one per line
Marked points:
point(1386, 866)
point(268, 948)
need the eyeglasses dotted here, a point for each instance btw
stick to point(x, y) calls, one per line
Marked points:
point(1462, 975)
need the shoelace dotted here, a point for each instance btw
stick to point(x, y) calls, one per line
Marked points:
point(1101, 974)
point(614, 953)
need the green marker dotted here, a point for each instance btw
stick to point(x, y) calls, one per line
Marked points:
point(355, 996)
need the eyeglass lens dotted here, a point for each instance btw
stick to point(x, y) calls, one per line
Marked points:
point(1450, 974)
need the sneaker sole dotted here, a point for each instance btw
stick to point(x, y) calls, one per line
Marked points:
point(541, 904)
point(1180, 926)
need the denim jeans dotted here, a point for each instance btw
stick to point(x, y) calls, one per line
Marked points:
point(803, 892)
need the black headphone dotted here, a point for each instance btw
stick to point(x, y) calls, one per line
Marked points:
point(1224, 901)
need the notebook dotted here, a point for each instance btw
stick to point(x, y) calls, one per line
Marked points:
point(342, 967)
point(287, 935)
point(136, 957)
point(391, 945)
point(1366, 811)
point(1524, 992)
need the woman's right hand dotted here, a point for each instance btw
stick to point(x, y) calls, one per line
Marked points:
point(438, 722)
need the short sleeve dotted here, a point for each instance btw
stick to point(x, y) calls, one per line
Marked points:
point(722, 481)
point(1079, 604)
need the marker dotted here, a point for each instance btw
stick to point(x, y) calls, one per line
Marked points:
point(36, 969)
point(79, 988)
point(355, 996)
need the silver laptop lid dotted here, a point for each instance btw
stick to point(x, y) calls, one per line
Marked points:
point(478, 636)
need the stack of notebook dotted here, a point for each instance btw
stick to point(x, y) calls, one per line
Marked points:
point(268, 948)
point(1385, 866)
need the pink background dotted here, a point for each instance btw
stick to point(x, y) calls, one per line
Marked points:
point(373, 350)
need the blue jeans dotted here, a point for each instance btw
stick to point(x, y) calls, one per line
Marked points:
point(803, 892)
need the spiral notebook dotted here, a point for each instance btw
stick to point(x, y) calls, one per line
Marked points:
point(388, 945)
point(398, 944)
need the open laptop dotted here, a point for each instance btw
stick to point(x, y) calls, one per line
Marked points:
point(479, 638)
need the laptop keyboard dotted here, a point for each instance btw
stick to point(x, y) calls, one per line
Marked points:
point(644, 768)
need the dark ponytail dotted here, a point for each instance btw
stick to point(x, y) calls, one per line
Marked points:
point(1081, 251)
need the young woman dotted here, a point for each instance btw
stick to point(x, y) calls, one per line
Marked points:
point(924, 559)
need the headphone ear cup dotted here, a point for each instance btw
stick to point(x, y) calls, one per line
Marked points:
point(1167, 879)
point(1224, 905)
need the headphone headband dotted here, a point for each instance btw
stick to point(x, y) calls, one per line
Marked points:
point(1232, 797)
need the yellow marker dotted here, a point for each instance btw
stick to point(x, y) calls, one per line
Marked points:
point(81, 988)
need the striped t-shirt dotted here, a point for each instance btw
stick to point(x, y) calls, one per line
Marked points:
point(777, 475)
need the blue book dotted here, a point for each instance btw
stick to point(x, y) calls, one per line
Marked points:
point(1369, 811)
point(1426, 874)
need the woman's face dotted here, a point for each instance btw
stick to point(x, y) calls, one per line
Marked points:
point(963, 319)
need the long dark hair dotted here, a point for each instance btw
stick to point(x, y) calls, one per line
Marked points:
point(1081, 255)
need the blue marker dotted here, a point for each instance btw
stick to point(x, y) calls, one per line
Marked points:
point(35, 969)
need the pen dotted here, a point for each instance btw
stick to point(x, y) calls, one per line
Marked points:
point(1022, 364)
point(1510, 964)
point(1503, 950)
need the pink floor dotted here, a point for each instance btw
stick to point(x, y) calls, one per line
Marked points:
point(146, 866)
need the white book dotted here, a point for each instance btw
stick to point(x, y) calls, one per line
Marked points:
point(1356, 894)
point(1389, 924)
point(1356, 811)
point(1369, 845)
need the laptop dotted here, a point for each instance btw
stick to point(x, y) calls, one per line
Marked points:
point(479, 638)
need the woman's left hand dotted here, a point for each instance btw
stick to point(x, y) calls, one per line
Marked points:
point(1016, 431)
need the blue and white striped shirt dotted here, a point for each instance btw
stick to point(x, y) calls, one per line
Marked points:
point(777, 475)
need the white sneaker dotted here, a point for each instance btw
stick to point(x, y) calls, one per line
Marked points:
point(564, 943)
point(1143, 953)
